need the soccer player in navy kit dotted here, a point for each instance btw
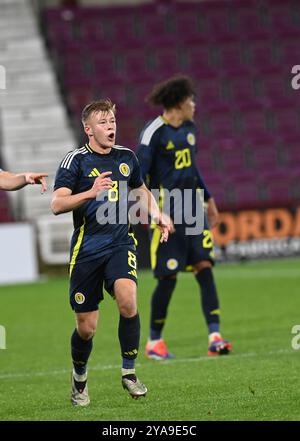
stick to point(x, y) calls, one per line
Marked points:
point(102, 253)
point(166, 154)
point(14, 181)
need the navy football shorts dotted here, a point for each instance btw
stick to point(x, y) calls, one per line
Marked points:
point(87, 278)
point(180, 251)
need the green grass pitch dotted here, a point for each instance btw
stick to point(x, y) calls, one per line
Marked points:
point(260, 304)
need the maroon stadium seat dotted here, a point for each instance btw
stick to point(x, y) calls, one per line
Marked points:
point(253, 120)
point(274, 86)
point(238, 52)
point(167, 60)
point(210, 93)
point(221, 123)
point(287, 120)
point(251, 23)
point(242, 90)
point(231, 57)
point(262, 53)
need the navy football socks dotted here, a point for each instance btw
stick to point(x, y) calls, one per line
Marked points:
point(159, 306)
point(129, 337)
point(209, 299)
point(80, 350)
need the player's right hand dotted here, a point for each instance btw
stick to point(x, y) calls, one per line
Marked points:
point(102, 182)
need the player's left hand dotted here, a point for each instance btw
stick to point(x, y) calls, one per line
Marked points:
point(37, 178)
point(212, 213)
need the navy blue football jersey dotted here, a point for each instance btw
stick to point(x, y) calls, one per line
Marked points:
point(167, 156)
point(77, 171)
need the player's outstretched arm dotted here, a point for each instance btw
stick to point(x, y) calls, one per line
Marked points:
point(150, 207)
point(64, 201)
point(11, 181)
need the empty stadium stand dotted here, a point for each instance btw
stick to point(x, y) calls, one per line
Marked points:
point(240, 54)
point(5, 212)
point(35, 129)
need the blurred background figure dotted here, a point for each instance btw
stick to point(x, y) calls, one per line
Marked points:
point(167, 156)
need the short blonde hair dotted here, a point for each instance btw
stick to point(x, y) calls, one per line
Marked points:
point(97, 106)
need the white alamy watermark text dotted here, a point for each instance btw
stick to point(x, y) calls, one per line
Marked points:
point(296, 340)
point(296, 79)
point(185, 206)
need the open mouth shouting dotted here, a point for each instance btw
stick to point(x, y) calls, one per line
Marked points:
point(111, 137)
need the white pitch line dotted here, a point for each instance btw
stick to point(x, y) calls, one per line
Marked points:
point(100, 367)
